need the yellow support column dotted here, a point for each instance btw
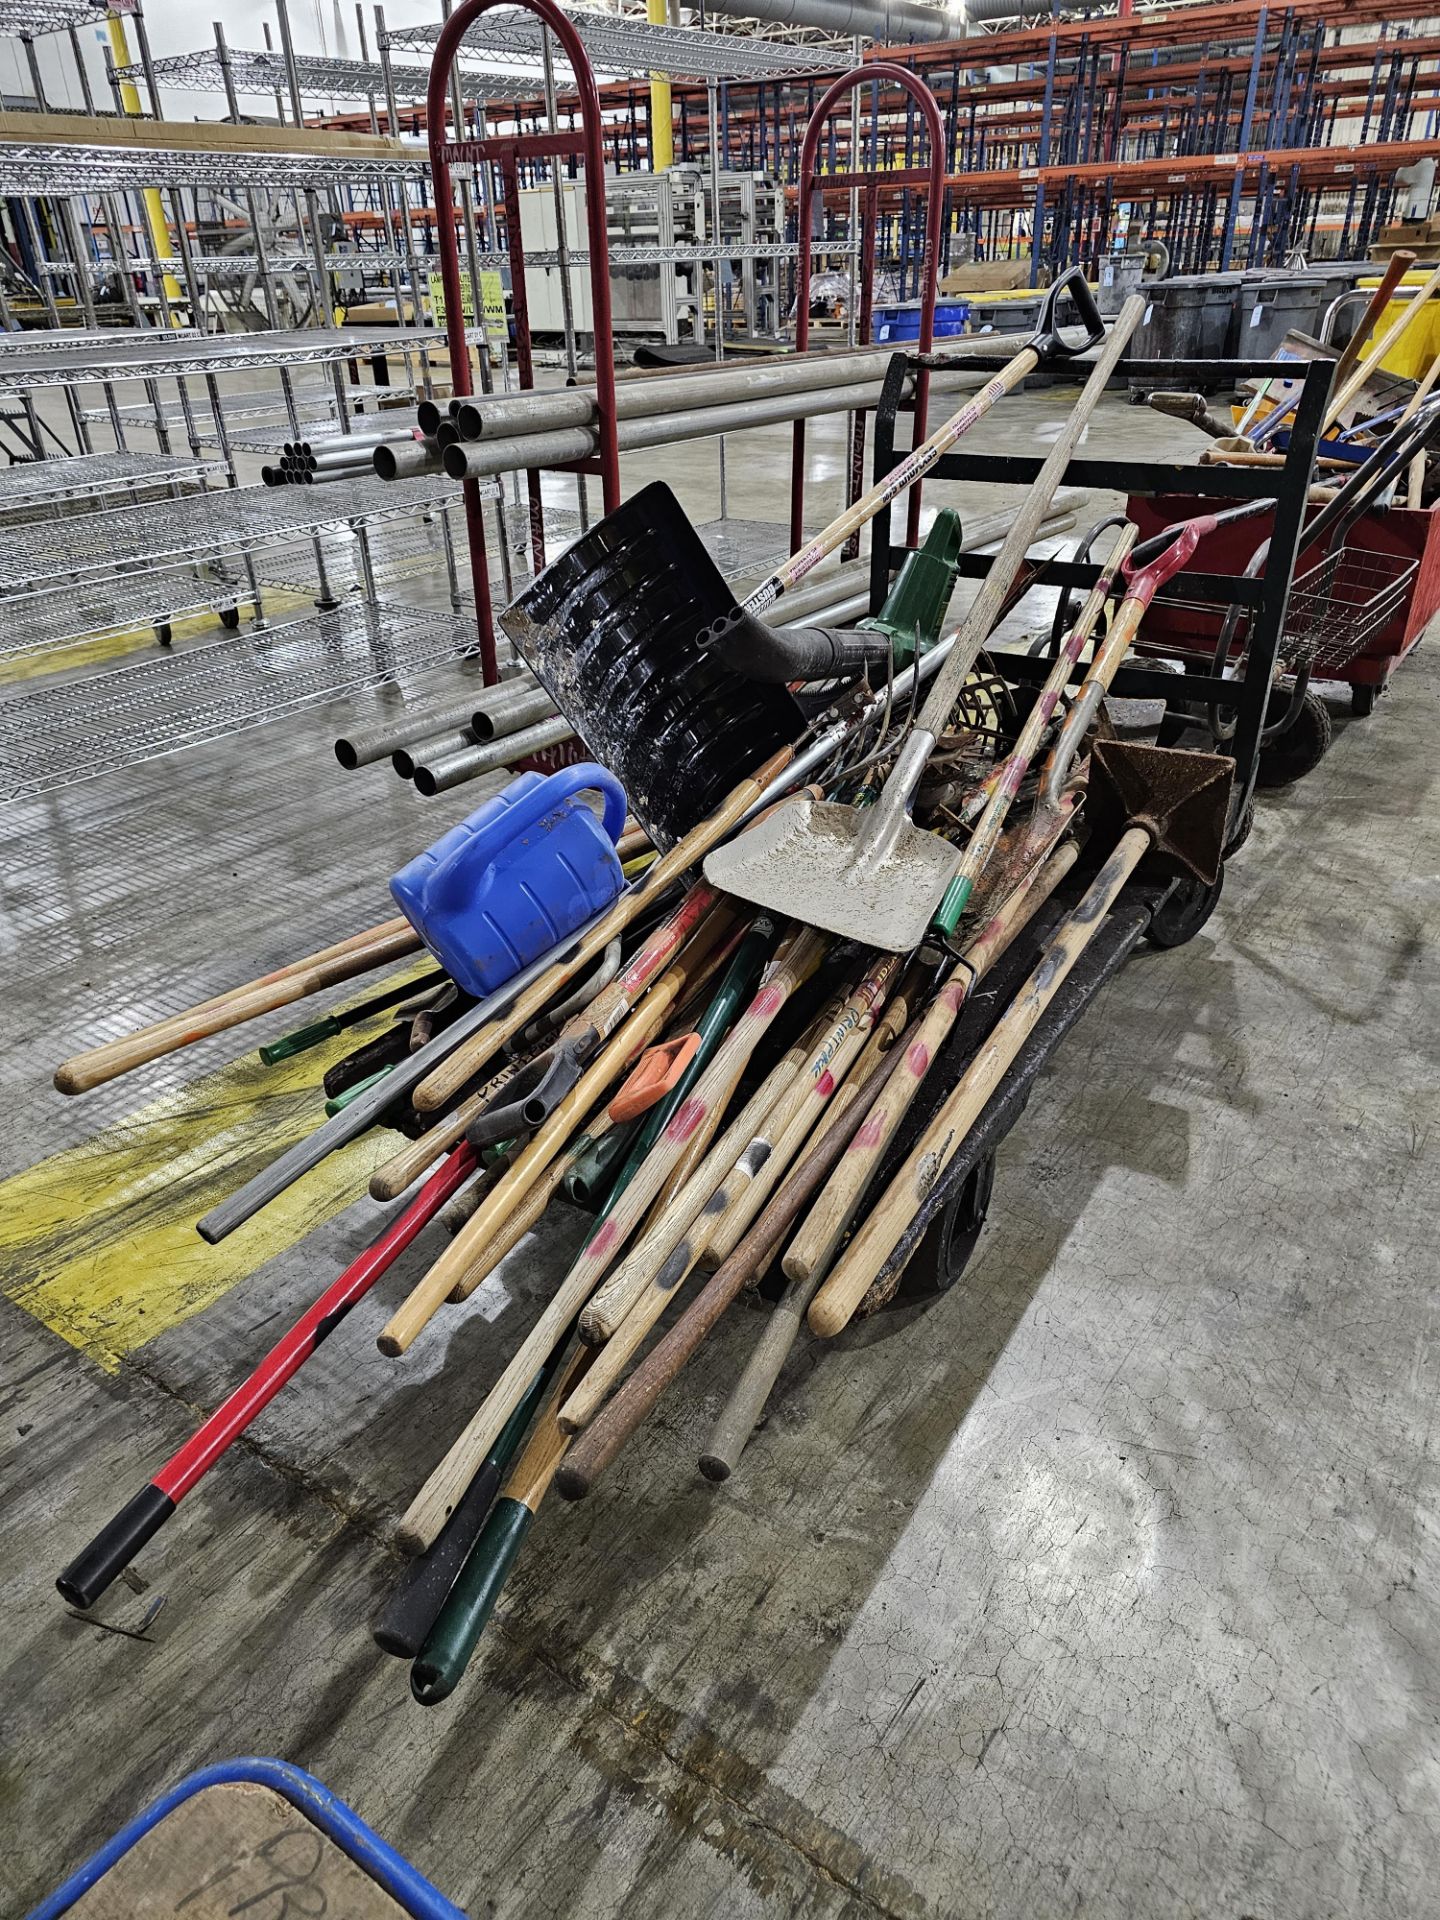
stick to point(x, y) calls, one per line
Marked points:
point(155, 221)
point(662, 129)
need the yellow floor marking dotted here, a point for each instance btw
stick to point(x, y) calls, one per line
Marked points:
point(100, 647)
point(99, 1243)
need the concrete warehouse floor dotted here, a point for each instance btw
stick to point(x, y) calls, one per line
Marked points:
point(1107, 1584)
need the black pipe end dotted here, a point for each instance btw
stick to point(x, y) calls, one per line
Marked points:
point(453, 461)
point(345, 753)
point(403, 761)
point(383, 461)
point(114, 1547)
point(468, 422)
point(425, 782)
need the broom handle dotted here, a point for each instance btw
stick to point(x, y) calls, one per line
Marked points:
point(363, 952)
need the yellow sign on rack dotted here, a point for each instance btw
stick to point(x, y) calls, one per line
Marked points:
point(492, 299)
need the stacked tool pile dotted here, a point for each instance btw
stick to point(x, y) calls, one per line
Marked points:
point(710, 1009)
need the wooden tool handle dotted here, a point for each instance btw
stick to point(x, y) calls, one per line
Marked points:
point(1341, 395)
point(741, 1413)
point(450, 1269)
point(985, 609)
point(850, 1281)
point(402, 1169)
point(913, 467)
point(1396, 268)
point(377, 948)
point(612, 1427)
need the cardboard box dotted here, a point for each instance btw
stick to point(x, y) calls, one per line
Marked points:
point(988, 276)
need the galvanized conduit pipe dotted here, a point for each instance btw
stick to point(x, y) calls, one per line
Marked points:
point(527, 705)
point(435, 746)
point(452, 770)
point(407, 462)
point(368, 744)
point(477, 459)
point(536, 412)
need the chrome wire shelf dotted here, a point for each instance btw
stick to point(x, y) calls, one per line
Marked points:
point(53, 167)
point(25, 19)
point(136, 356)
point(197, 527)
point(38, 484)
point(624, 45)
point(77, 339)
point(257, 72)
point(210, 265)
point(260, 424)
point(67, 730)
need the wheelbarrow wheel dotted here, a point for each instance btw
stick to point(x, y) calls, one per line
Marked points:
point(1184, 911)
point(1300, 748)
point(944, 1253)
point(230, 617)
point(1362, 700)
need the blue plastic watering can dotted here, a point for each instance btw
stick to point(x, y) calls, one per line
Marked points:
point(521, 873)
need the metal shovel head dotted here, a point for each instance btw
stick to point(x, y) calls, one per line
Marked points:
point(1182, 797)
point(816, 861)
point(612, 630)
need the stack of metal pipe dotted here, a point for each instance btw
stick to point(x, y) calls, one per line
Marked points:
point(333, 456)
point(476, 735)
point(488, 434)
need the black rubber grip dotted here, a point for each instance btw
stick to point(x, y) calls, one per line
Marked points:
point(115, 1546)
point(413, 1607)
point(1047, 339)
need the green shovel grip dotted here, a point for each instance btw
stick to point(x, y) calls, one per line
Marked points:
point(441, 1662)
point(342, 1100)
point(957, 898)
point(289, 1044)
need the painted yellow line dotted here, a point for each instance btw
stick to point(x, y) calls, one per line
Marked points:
point(96, 648)
point(99, 1243)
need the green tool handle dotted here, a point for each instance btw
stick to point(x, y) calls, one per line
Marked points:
point(415, 1605)
point(342, 1100)
point(461, 1621)
point(446, 1654)
point(300, 1040)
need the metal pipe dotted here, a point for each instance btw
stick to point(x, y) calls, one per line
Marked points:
point(536, 412)
point(527, 705)
point(406, 462)
point(366, 437)
point(474, 459)
point(433, 747)
point(456, 768)
point(368, 744)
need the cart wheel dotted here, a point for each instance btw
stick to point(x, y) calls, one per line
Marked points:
point(1300, 748)
point(1184, 911)
point(944, 1253)
point(164, 635)
point(1244, 830)
point(230, 617)
point(1362, 700)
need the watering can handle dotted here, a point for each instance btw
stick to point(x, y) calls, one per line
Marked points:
point(545, 797)
point(1047, 340)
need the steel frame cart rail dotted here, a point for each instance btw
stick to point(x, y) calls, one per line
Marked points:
point(1266, 598)
point(1166, 912)
point(868, 182)
point(507, 153)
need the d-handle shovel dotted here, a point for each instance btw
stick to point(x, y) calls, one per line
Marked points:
point(1046, 343)
point(870, 875)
